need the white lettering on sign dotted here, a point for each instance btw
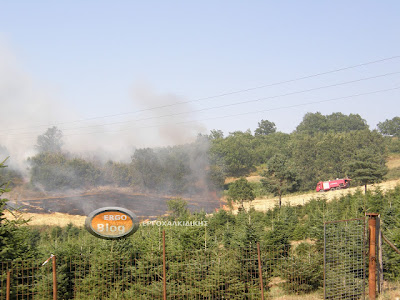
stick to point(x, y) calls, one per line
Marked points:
point(115, 217)
point(107, 228)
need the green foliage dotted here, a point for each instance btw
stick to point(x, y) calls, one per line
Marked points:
point(304, 268)
point(15, 240)
point(55, 171)
point(178, 208)
point(147, 168)
point(265, 127)
point(390, 127)
point(12, 176)
point(266, 146)
point(321, 149)
point(117, 173)
point(216, 134)
point(281, 177)
point(178, 169)
point(240, 190)
point(393, 144)
point(220, 259)
point(327, 156)
point(50, 141)
point(367, 167)
point(235, 152)
point(314, 123)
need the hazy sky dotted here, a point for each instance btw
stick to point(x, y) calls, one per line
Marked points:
point(63, 61)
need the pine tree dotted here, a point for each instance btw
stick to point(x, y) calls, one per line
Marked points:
point(281, 177)
point(14, 241)
point(367, 167)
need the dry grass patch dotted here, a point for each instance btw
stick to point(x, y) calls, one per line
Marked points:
point(53, 219)
point(393, 161)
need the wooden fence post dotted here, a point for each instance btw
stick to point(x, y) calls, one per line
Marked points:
point(8, 285)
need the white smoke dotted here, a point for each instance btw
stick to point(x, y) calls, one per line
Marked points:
point(29, 107)
point(25, 104)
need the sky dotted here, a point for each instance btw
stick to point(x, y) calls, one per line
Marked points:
point(120, 75)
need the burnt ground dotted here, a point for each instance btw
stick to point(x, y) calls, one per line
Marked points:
point(144, 206)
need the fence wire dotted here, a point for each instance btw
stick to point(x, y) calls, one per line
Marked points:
point(219, 273)
point(344, 259)
point(30, 280)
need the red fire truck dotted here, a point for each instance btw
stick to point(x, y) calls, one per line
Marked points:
point(324, 186)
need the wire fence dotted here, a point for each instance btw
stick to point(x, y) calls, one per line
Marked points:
point(246, 273)
point(335, 268)
point(344, 259)
point(26, 279)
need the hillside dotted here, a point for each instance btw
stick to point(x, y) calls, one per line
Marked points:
point(259, 204)
point(267, 203)
point(264, 204)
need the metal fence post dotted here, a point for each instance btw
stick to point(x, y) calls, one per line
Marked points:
point(54, 278)
point(372, 255)
point(260, 271)
point(164, 269)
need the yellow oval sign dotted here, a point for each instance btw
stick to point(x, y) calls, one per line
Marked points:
point(111, 222)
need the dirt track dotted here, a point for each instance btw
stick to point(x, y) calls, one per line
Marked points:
point(265, 204)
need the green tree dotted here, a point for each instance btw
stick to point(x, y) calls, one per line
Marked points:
point(265, 127)
point(367, 167)
point(390, 127)
point(178, 208)
point(240, 190)
point(50, 141)
point(305, 153)
point(118, 173)
point(47, 170)
point(281, 177)
point(217, 169)
point(236, 151)
point(313, 123)
point(14, 239)
point(147, 169)
point(266, 146)
point(216, 134)
point(55, 170)
point(337, 122)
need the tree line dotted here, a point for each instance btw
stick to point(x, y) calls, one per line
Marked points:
point(321, 148)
